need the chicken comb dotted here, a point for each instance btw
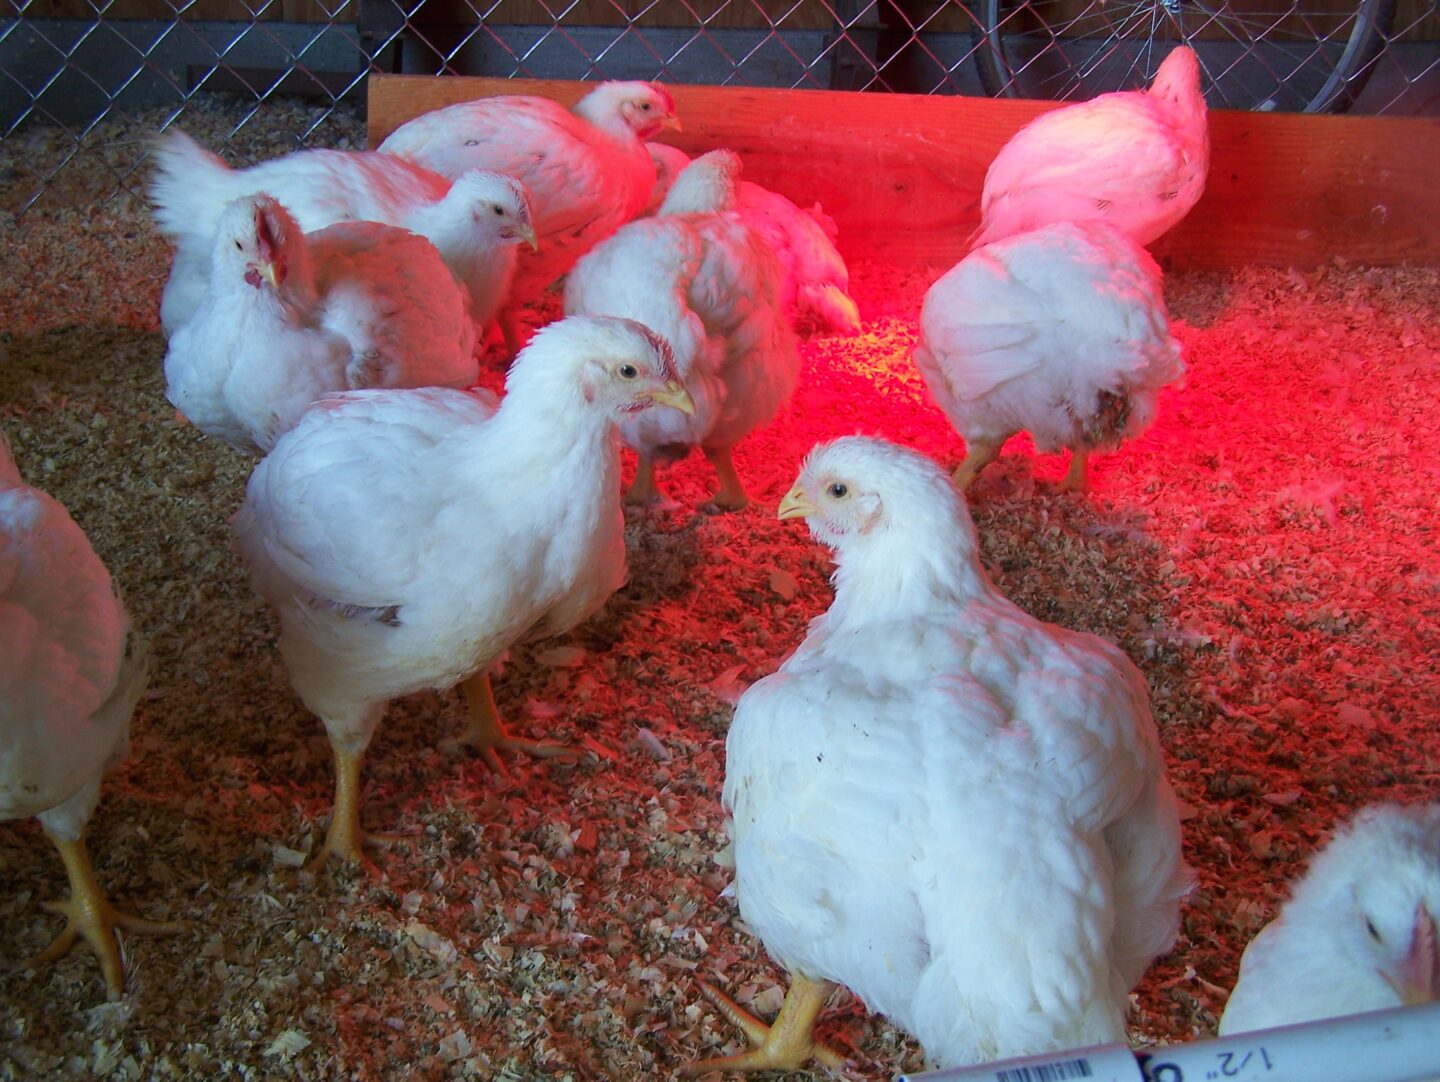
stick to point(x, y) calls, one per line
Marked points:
point(666, 100)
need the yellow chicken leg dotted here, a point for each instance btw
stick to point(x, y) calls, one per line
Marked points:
point(90, 916)
point(1077, 477)
point(978, 455)
point(487, 735)
point(730, 496)
point(643, 491)
point(787, 1045)
point(345, 838)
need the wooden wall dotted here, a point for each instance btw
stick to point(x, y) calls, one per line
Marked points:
point(902, 174)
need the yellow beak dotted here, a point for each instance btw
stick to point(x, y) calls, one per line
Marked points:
point(267, 271)
point(527, 234)
point(674, 395)
point(671, 122)
point(796, 504)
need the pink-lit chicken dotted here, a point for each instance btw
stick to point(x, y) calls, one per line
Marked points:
point(817, 281)
point(1135, 160)
point(71, 672)
point(287, 317)
point(587, 169)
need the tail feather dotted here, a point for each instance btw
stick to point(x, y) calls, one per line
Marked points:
point(189, 186)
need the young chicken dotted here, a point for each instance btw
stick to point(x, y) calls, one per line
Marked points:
point(408, 538)
point(475, 222)
point(817, 281)
point(712, 288)
point(71, 672)
point(1135, 160)
point(1061, 331)
point(587, 169)
point(956, 810)
point(1359, 932)
point(288, 317)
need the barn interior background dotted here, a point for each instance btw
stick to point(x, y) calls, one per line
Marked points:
point(75, 63)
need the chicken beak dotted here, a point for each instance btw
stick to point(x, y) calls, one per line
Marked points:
point(269, 273)
point(796, 504)
point(672, 122)
point(675, 395)
point(527, 234)
point(1420, 973)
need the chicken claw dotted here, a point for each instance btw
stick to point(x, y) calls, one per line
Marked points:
point(486, 733)
point(787, 1045)
point(90, 916)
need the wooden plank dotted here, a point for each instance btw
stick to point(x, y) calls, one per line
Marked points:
point(902, 174)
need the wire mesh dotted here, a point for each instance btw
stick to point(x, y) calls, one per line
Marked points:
point(69, 65)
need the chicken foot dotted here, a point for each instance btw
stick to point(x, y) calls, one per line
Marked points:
point(345, 839)
point(486, 733)
point(978, 455)
point(90, 916)
point(785, 1046)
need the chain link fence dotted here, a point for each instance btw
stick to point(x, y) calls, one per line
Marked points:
point(70, 69)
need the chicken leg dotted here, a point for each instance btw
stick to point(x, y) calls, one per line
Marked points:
point(345, 838)
point(730, 496)
point(1077, 477)
point(978, 455)
point(643, 491)
point(487, 735)
point(90, 916)
point(787, 1045)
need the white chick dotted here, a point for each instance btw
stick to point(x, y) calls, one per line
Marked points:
point(1061, 331)
point(951, 807)
point(1135, 160)
point(817, 281)
point(1359, 932)
point(712, 288)
point(71, 672)
point(475, 222)
point(408, 538)
point(287, 317)
point(587, 169)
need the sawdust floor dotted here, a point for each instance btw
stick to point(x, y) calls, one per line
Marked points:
point(1266, 554)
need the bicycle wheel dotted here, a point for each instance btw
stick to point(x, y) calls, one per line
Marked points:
point(1292, 55)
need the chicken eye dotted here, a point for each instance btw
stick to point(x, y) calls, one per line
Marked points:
point(497, 209)
point(628, 371)
point(239, 247)
point(838, 490)
point(1374, 932)
point(645, 107)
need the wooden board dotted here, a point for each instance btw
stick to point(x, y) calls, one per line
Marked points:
point(902, 174)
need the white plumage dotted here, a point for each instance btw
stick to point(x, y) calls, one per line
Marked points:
point(475, 222)
point(287, 317)
point(71, 672)
point(956, 810)
point(587, 169)
point(1135, 160)
point(817, 281)
point(1061, 331)
point(407, 538)
point(1359, 932)
point(712, 288)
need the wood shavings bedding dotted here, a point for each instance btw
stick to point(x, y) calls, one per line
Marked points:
point(1266, 554)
